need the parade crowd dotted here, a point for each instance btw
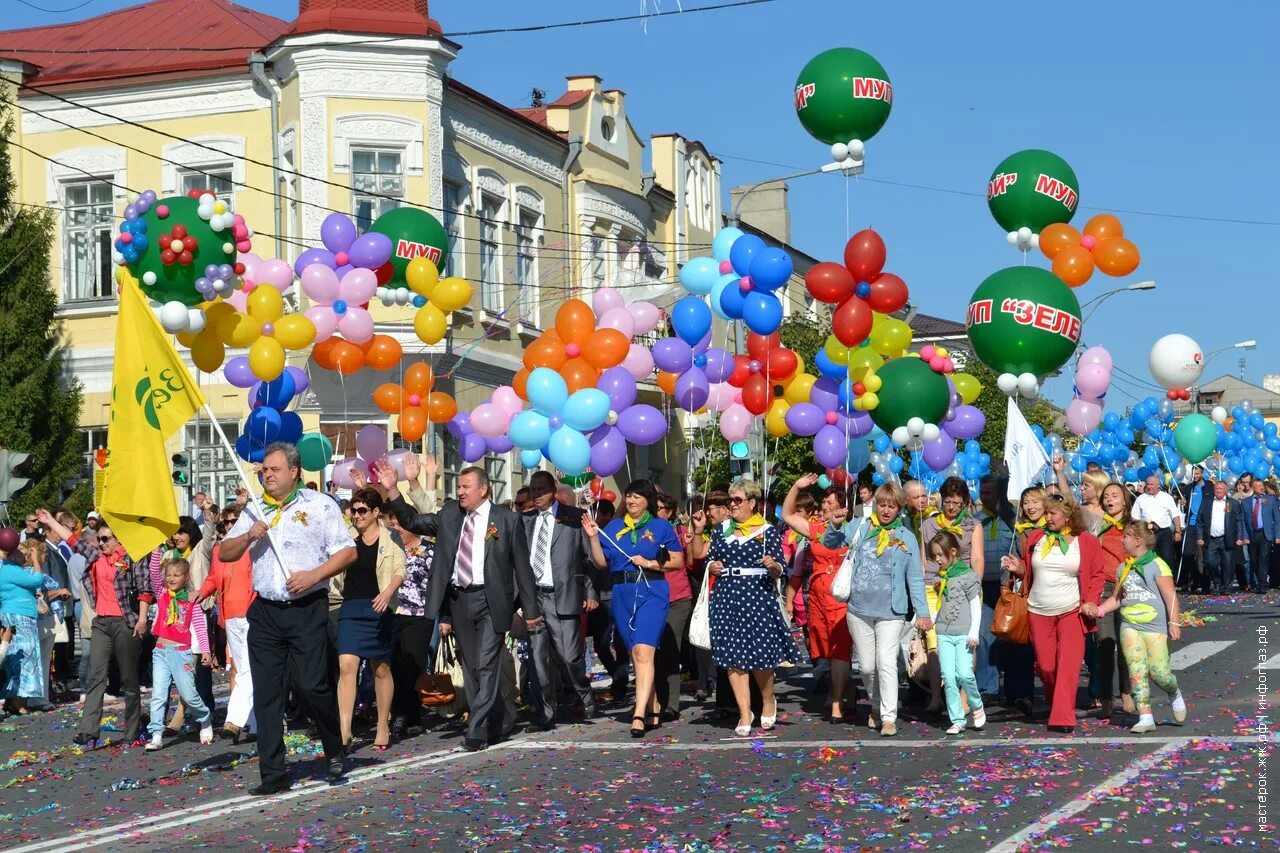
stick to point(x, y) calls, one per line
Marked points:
point(392, 611)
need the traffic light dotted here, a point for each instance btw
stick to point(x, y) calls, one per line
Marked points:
point(13, 468)
point(181, 469)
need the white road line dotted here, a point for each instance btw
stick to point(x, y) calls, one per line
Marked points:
point(1272, 662)
point(1089, 798)
point(1192, 653)
point(878, 742)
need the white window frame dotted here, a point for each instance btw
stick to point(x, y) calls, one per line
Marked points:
point(456, 203)
point(528, 228)
point(214, 470)
point(377, 198)
point(492, 298)
point(101, 224)
point(202, 174)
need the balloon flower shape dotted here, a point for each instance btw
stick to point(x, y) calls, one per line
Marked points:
point(559, 420)
point(575, 349)
point(743, 279)
point(269, 419)
point(688, 372)
point(371, 447)
point(257, 272)
point(821, 417)
point(1102, 246)
point(435, 298)
point(1093, 378)
point(859, 288)
point(338, 302)
point(769, 365)
point(1176, 362)
point(415, 402)
point(381, 352)
point(492, 419)
point(472, 446)
point(266, 330)
point(345, 249)
point(637, 318)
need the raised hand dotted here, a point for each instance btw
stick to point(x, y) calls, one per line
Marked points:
point(386, 474)
point(807, 480)
point(411, 467)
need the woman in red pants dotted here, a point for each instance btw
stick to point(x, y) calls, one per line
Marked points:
point(1063, 568)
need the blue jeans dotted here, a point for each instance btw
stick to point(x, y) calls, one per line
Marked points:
point(170, 666)
point(956, 661)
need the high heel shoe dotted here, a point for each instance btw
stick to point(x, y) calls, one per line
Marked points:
point(640, 732)
point(349, 746)
point(381, 747)
point(742, 731)
point(654, 721)
point(767, 723)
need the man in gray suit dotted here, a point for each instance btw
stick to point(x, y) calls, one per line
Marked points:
point(562, 568)
point(1221, 529)
point(481, 570)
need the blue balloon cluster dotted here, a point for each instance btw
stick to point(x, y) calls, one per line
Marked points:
point(1110, 445)
point(1251, 446)
point(741, 279)
point(269, 421)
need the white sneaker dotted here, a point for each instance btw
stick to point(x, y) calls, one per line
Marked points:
point(156, 742)
point(206, 734)
point(1146, 723)
point(1179, 707)
point(955, 729)
point(979, 720)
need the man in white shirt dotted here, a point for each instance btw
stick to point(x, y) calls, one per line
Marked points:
point(1158, 507)
point(1219, 534)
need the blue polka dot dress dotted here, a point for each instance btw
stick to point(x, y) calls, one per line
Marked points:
point(747, 627)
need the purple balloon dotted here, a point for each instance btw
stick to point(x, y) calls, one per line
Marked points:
point(498, 444)
point(314, 256)
point(692, 390)
point(968, 423)
point(701, 346)
point(672, 355)
point(642, 424)
point(719, 366)
point(860, 424)
point(238, 372)
point(459, 425)
point(301, 381)
point(608, 451)
point(337, 232)
point(620, 385)
point(473, 447)
point(825, 394)
point(939, 454)
point(829, 447)
point(805, 419)
point(370, 250)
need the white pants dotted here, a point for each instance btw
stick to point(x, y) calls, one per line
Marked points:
point(876, 643)
point(240, 705)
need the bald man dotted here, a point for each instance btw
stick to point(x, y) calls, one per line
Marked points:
point(1158, 507)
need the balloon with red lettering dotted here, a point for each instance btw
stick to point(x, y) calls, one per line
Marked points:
point(1176, 362)
point(414, 234)
point(1032, 189)
point(1024, 320)
point(843, 95)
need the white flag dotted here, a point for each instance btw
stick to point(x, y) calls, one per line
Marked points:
point(1022, 453)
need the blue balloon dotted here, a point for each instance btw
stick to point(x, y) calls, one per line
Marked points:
point(1079, 464)
point(290, 428)
point(972, 449)
point(690, 319)
point(1256, 420)
point(1235, 464)
point(762, 312)
point(731, 302)
point(744, 251)
point(569, 450)
point(1111, 421)
point(700, 274)
point(586, 409)
point(859, 457)
point(1260, 470)
point(530, 458)
point(277, 393)
point(262, 426)
point(882, 443)
point(529, 430)
point(829, 368)
point(895, 463)
point(546, 391)
point(718, 289)
point(877, 479)
point(1037, 430)
point(770, 269)
point(723, 242)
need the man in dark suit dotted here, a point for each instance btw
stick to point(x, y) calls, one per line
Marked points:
point(481, 570)
point(1219, 525)
point(1261, 528)
point(564, 573)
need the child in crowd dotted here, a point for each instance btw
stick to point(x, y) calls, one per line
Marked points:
point(957, 621)
point(179, 628)
point(1148, 619)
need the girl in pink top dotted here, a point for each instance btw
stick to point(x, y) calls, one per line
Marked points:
point(180, 630)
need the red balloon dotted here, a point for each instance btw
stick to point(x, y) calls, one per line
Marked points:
point(829, 282)
point(864, 255)
point(758, 346)
point(852, 322)
point(888, 293)
point(741, 370)
point(755, 394)
point(780, 364)
point(384, 273)
point(610, 495)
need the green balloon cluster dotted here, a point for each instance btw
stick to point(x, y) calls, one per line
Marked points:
point(1195, 437)
point(1033, 189)
point(1024, 320)
point(843, 94)
point(414, 234)
point(175, 281)
point(911, 389)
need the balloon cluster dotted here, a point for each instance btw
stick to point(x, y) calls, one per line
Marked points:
point(1093, 378)
point(269, 419)
point(371, 447)
point(1246, 443)
point(859, 288)
point(473, 445)
point(381, 352)
point(1109, 444)
point(434, 297)
point(1102, 246)
point(741, 279)
point(346, 249)
point(575, 349)
point(556, 427)
point(414, 401)
point(1176, 363)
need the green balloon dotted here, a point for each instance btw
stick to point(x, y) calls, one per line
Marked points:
point(175, 282)
point(911, 389)
point(414, 234)
point(1024, 320)
point(1033, 189)
point(316, 450)
point(1195, 437)
point(843, 94)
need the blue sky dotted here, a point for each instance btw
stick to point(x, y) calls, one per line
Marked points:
point(1159, 108)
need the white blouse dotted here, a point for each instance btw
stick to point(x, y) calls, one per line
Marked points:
point(1055, 584)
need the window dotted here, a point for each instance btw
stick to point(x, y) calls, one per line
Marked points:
point(494, 465)
point(86, 240)
point(455, 203)
point(596, 264)
point(95, 439)
point(527, 264)
point(216, 179)
point(377, 184)
point(214, 470)
point(490, 257)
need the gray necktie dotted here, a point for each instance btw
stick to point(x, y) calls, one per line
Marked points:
point(465, 570)
point(543, 535)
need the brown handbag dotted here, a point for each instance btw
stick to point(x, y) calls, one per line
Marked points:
point(436, 688)
point(1012, 621)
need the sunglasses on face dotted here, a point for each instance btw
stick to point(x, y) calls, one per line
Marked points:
point(360, 510)
point(105, 538)
point(736, 501)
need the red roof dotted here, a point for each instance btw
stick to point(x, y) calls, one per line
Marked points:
point(385, 17)
point(159, 37)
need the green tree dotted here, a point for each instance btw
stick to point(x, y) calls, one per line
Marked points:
point(39, 406)
point(994, 405)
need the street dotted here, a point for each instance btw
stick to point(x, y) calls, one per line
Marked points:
point(692, 786)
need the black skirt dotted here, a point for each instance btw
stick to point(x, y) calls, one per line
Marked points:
point(364, 633)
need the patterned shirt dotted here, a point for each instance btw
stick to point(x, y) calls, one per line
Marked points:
point(310, 530)
point(413, 592)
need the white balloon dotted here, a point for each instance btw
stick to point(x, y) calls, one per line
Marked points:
point(839, 152)
point(856, 149)
point(1024, 234)
point(1028, 385)
point(173, 316)
point(195, 320)
point(1011, 238)
point(403, 296)
point(901, 436)
point(931, 432)
point(1035, 241)
point(148, 278)
point(1176, 362)
point(915, 426)
point(1007, 383)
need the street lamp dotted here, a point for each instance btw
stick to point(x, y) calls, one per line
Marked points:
point(1098, 300)
point(848, 167)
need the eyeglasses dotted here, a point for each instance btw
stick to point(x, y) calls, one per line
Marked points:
point(105, 538)
point(360, 510)
point(736, 501)
point(956, 502)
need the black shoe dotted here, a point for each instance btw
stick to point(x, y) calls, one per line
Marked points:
point(399, 725)
point(669, 715)
point(82, 739)
point(473, 744)
point(1062, 730)
point(337, 769)
point(266, 789)
point(1024, 707)
point(539, 727)
point(640, 732)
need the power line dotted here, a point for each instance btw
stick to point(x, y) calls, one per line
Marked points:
point(31, 5)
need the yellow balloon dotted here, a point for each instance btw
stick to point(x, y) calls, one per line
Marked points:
point(429, 324)
point(294, 331)
point(836, 351)
point(207, 352)
point(869, 401)
point(797, 390)
point(215, 312)
point(877, 318)
point(239, 330)
point(872, 383)
point(266, 357)
point(187, 339)
point(451, 294)
point(967, 386)
point(775, 420)
point(890, 337)
point(265, 304)
point(421, 275)
point(863, 361)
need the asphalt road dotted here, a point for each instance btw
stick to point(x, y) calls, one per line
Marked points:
point(692, 786)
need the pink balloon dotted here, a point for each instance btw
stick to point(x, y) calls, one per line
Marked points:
point(358, 286)
point(618, 318)
point(275, 272)
point(639, 362)
point(371, 443)
point(322, 317)
point(356, 326)
point(721, 396)
point(605, 300)
point(1098, 356)
point(341, 475)
point(251, 264)
point(646, 316)
point(489, 420)
point(236, 299)
point(396, 460)
point(320, 283)
point(505, 398)
point(1083, 416)
point(1092, 381)
point(735, 423)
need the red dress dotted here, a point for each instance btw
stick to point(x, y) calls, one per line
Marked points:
point(828, 631)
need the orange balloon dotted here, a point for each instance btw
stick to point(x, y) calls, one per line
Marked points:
point(578, 374)
point(1074, 265)
point(383, 353)
point(1056, 237)
point(322, 353)
point(575, 321)
point(519, 381)
point(606, 348)
point(418, 378)
point(1104, 226)
point(347, 357)
point(667, 382)
point(545, 352)
point(413, 423)
point(389, 397)
point(440, 407)
point(1116, 256)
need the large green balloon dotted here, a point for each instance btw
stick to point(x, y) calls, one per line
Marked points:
point(1195, 437)
point(911, 389)
point(1024, 320)
point(175, 281)
point(414, 234)
point(1032, 189)
point(843, 94)
point(316, 450)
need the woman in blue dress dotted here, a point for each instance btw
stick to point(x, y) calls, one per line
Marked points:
point(639, 548)
point(748, 632)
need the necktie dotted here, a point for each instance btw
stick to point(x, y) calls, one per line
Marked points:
point(543, 535)
point(464, 570)
point(1257, 514)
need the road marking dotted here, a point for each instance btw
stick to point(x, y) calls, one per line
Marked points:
point(1272, 662)
point(746, 743)
point(1192, 653)
point(1014, 842)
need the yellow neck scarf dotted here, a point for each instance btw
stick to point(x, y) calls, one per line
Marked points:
point(746, 528)
point(633, 526)
point(953, 527)
point(279, 506)
point(884, 532)
point(1135, 562)
point(1109, 523)
point(1055, 537)
point(1024, 526)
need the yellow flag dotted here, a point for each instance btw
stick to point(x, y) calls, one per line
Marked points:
point(152, 397)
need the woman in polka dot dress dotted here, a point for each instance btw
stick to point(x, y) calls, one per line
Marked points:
point(748, 632)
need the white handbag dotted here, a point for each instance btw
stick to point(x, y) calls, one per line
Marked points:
point(700, 621)
point(842, 584)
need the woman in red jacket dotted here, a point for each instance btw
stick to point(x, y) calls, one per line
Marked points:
point(1064, 575)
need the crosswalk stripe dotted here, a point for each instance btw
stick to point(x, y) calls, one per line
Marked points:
point(1192, 653)
point(1272, 662)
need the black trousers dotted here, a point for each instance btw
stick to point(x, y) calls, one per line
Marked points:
point(670, 651)
point(1165, 548)
point(412, 657)
point(1259, 560)
point(1017, 661)
point(600, 624)
point(1192, 576)
point(1219, 562)
point(290, 637)
point(557, 648)
point(492, 716)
